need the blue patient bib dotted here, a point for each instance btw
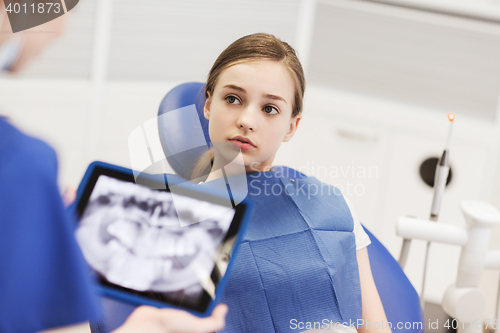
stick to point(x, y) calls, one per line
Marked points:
point(297, 262)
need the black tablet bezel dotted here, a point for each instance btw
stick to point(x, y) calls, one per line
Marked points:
point(154, 182)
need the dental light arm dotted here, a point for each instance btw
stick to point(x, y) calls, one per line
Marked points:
point(412, 228)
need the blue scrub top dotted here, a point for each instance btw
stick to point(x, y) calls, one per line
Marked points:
point(44, 280)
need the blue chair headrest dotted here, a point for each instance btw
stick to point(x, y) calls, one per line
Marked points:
point(178, 130)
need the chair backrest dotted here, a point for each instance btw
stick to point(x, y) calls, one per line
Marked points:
point(399, 298)
point(177, 128)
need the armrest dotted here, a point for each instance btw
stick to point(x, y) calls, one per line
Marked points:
point(412, 228)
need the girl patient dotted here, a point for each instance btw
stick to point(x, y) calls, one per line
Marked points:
point(303, 262)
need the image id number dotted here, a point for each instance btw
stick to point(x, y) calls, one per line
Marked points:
point(39, 8)
point(479, 323)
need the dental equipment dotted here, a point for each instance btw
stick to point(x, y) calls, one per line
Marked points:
point(463, 300)
point(441, 176)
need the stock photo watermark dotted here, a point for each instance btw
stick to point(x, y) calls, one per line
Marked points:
point(26, 14)
point(347, 180)
point(263, 187)
point(351, 171)
point(328, 324)
point(449, 324)
point(154, 143)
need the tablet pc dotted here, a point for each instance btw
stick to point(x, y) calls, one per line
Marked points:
point(149, 244)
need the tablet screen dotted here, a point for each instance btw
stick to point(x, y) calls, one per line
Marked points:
point(155, 244)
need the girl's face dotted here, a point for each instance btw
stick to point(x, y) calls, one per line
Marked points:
point(250, 110)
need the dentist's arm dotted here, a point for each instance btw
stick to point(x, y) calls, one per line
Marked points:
point(153, 320)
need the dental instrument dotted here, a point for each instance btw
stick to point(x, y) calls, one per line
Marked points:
point(441, 176)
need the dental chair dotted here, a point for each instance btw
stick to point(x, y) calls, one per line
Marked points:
point(399, 298)
point(184, 137)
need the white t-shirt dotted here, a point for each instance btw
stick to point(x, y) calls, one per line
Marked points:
point(362, 239)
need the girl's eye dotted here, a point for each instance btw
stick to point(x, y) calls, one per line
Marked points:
point(270, 109)
point(231, 99)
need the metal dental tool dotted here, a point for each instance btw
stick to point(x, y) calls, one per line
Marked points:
point(441, 176)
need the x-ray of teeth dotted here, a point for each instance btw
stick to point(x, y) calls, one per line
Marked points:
point(156, 241)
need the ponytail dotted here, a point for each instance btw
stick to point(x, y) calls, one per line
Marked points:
point(203, 166)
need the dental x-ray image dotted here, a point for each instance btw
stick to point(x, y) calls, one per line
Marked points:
point(151, 242)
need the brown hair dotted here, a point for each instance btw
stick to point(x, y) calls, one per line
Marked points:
point(258, 46)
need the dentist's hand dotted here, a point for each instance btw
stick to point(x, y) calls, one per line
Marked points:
point(153, 320)
point(69, 195)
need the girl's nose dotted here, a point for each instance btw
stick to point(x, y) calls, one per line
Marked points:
point(246, 120)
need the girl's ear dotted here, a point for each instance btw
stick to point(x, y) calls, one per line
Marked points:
point(294, 123)
point(206, 107)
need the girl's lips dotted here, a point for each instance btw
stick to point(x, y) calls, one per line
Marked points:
point(242, 145)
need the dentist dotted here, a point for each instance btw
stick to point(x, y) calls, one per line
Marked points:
point(44, 283)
